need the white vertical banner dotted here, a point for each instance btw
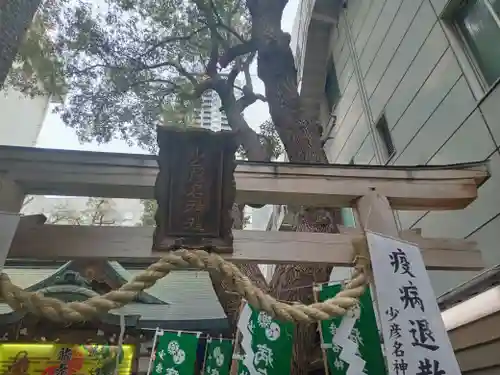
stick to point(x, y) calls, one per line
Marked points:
point(415, 338)
point(158, 332)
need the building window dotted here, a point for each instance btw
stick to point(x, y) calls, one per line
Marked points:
point(385, 137)
point(478, 24)
point(332, 91)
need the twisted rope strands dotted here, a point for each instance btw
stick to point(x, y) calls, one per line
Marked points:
point(59, 311)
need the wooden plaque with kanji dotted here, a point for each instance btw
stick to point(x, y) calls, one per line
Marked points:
point(195, 189)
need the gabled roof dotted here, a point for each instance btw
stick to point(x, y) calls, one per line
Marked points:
point(112, 270)
point(182, 300)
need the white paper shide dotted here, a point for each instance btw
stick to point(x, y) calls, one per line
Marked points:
point(415, 338)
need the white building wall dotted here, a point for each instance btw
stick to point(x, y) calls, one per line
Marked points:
point(21, 117)
point(399, 57)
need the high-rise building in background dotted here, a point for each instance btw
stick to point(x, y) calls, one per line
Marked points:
point(208, 115)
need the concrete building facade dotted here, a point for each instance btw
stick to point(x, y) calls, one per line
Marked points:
point(410, 82)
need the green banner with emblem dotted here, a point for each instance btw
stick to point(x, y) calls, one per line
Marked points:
point(175, 353)
point(267, 344)
point(352, 342)
point(218, 356)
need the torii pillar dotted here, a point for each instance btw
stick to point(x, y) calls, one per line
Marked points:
point(11, 201)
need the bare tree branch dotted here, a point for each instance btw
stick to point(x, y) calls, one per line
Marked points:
point(249, 97)
point(238, 50)
point(184, 72)
point(231, 77)
point(214, 22)
point(27, 201)
point(231, 31)
point(215, 40)
point(203, 86)
point(246, 136)
point(214, 11)
point(174, 39)
point(246, 70)
point(220, 22)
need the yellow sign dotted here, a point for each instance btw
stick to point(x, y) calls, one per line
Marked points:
point(61, 359)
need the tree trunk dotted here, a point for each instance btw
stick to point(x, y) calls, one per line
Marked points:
point(15, 18)
point(293, 283)
point(231, 301)
point(302, 140)
point(246, 136)
point(276, 67)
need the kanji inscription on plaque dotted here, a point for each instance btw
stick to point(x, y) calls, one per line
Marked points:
point(195, 189)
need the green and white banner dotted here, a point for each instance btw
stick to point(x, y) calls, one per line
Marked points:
point(218, 356)
point(175, 353)
point(352, 342)
point(267, 344)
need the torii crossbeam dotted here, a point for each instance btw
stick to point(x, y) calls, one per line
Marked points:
point(98, 174)
point(73, 173)
point(34, 240)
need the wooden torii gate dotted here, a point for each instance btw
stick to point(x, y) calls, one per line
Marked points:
point(25, 171)
point(373, 192)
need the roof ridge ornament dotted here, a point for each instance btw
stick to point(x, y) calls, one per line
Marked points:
point(70, 277)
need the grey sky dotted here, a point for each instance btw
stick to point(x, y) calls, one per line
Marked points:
point(55, 134)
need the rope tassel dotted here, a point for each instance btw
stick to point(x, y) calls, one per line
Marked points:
point(70, 312)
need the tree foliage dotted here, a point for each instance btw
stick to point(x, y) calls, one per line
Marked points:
point(129, 66)
point(148, 212)
point(37, 68)
point(269, 139)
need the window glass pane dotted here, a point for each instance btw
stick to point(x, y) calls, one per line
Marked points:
point(385, 136)
point(482, 34)
point(332, 90)
point(348, 217)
